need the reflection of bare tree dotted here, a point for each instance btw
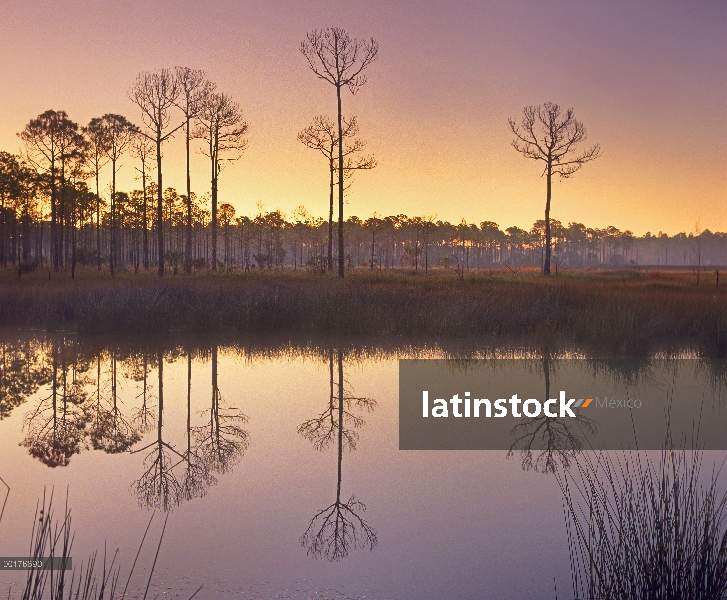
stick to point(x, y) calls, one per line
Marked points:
point(22, 372)
point(171, 477)
point(337, 529)
point(546, 442)
point(222, 441)
point(56, 428)
point(197, 477)
point(111, 431)
point(143, 417)
point(158, 486)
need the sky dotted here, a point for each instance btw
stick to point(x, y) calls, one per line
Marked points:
point(648, 79)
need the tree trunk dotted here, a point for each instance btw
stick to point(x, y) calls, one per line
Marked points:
point(73, 240)
point(98, 219)
point(330, 217)
point(214, 215)
point(188, 241)
point(112, 220)
point(373, 245)
point(53, 217)
point(546, 263)
point(340, 185)
point(340, 423)
point(146, 225)
point(160, 205)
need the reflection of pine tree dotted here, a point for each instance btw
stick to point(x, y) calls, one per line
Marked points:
point(158, 486)
point(337, 529)
point(171, 477)
point(22, 372)
point(111, 431)
point(196, 477)
point(222, 441)
point(337, 417)
point(143, 417)
point(546, 442)
point(57, 427)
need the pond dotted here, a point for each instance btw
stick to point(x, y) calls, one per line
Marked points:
point(277, 468)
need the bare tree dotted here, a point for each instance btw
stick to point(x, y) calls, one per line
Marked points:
point(141, 148)
point(120, 134)
point(548, 135)
point(321, 135)
point(336, 58)
point(194, 91)
point(221, 125)
point(155, 94)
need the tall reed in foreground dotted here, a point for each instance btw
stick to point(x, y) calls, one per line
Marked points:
point(52, 538)
point(644, 530)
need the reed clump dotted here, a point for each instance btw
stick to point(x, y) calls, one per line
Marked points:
point(608, 311)
point(640, 530)
point(97, 578)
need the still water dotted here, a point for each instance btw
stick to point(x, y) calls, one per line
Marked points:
point(278, 467)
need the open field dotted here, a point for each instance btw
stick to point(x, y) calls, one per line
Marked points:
point(623, 313)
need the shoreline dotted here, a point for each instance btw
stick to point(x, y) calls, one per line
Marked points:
point(621, 313)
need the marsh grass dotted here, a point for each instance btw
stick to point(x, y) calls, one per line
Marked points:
point(97, 579)
point(614, 312)
point(644, 530)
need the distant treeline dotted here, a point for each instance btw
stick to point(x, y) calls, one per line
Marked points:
point(272, 240)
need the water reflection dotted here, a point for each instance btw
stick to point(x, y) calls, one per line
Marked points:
point(222, 440)
point(158, 486)
point(173, 438)
point(338, 528)
point(22, 371)
point(86, 408)
point(171, 477)
point(547, 443)
point(110, 430)
point(56, 428)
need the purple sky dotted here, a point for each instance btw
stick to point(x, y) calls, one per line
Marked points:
point(648, 79)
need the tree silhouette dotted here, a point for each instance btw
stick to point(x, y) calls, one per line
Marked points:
point(223, 128)
point(50, 141)
point(97, 137)
point(340, 60)
point(11, 183)
point(337, 529)
point(322, 135)
point(548, 135)
point(142, 148)
point(119, 134)
point(194, 92)
point(155, 94)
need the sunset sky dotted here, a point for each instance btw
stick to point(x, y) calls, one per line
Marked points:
point(648, 79)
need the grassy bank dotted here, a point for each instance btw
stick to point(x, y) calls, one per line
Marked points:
point(619, 312)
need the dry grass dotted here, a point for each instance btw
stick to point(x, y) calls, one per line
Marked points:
point(624, 313)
